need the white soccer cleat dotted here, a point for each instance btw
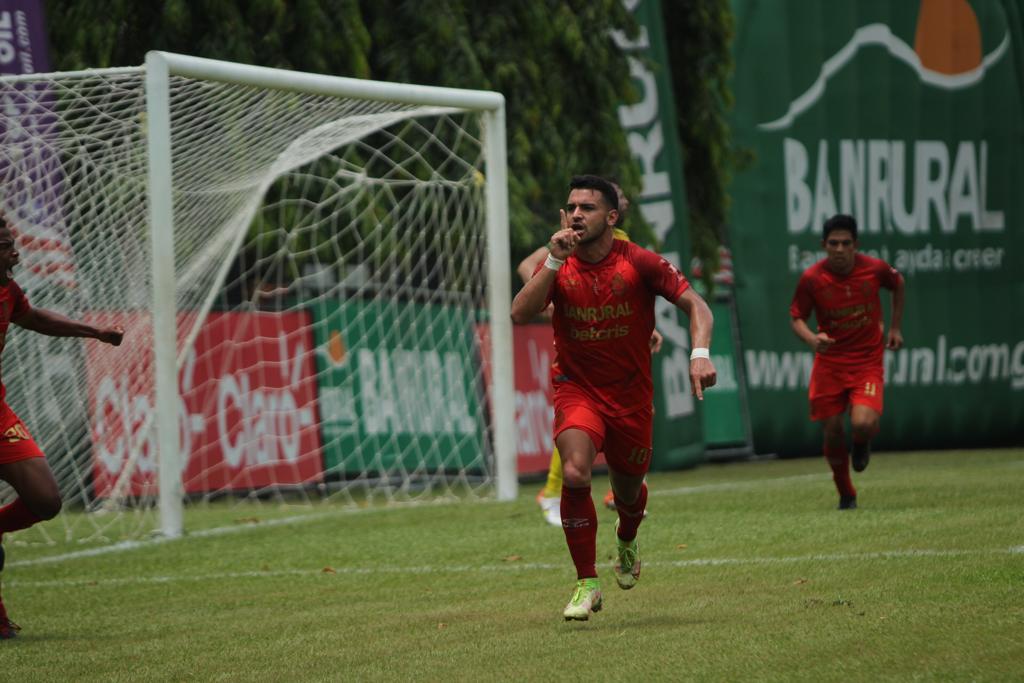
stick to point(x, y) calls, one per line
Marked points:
point(552, 509)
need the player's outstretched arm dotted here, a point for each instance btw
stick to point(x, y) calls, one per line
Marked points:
point(894, 339)
point(56, 325)
point(702, 370)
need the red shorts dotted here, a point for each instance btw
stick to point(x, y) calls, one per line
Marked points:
point(625, 441)
point(833, 390)
point(15, 441)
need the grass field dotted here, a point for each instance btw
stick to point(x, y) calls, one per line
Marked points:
point(749, 574)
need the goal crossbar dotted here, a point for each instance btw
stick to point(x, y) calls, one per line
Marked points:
point(320, 84)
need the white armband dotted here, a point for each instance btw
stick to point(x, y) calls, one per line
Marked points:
point(700, 352)
point(553, 263)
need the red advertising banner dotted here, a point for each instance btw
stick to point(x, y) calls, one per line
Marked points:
point(533, 350)
point(247, 413)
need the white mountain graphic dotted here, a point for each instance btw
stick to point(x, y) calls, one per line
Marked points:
point(880, 35)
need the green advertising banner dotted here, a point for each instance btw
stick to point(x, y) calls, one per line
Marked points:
point(723, 415)
point(398, 389)
point(907, 115)
point(652, 137)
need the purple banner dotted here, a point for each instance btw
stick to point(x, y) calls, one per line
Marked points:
point(23, 37)
point(31, 171)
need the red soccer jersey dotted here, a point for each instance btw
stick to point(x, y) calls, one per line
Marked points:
point(847, 307)
point(603, 319)
point(13, 304)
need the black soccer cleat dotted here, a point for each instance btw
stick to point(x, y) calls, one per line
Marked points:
point(861, 456)
point(8, 629)
point(847, 502)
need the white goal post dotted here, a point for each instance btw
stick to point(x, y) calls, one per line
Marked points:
point(159, 67)
point(374, 213)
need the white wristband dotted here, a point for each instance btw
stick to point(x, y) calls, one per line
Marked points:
point(553, 263)
point(700, 352)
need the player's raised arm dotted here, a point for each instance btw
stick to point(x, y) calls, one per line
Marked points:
point(702, 370)
point(533, 297)
point(56, 325)
point(528, 266)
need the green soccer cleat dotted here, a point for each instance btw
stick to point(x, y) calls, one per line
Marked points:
point(586, 598)
point(627, 567)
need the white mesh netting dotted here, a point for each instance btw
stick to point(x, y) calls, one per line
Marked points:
point(330, 260)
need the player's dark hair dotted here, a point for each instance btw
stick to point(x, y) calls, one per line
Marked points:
point(596, 182)
point(840, 221)
point(3, 222)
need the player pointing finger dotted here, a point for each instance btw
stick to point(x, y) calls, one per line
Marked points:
point(603, 291)
point(550, 497)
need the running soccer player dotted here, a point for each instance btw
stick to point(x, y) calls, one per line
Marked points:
point(550, 497)
point(603, 291)
point(843, 292)
point(22, 463)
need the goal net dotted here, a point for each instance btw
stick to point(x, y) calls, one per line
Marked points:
point(311, 273)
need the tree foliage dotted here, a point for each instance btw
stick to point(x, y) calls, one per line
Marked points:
point(554, 60)
point(701, 61)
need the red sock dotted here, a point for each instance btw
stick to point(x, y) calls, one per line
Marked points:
point(839, 460)
point(630, 516)
point(16, 516)
point(579, 522)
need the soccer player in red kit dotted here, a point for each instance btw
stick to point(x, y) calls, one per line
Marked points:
point(22, 463)
point(603, 291)
point(843, 292)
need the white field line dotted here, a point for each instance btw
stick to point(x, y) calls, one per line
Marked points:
point(158, 540)
point(506, 567)
point(738, 485)
point(124, 546)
